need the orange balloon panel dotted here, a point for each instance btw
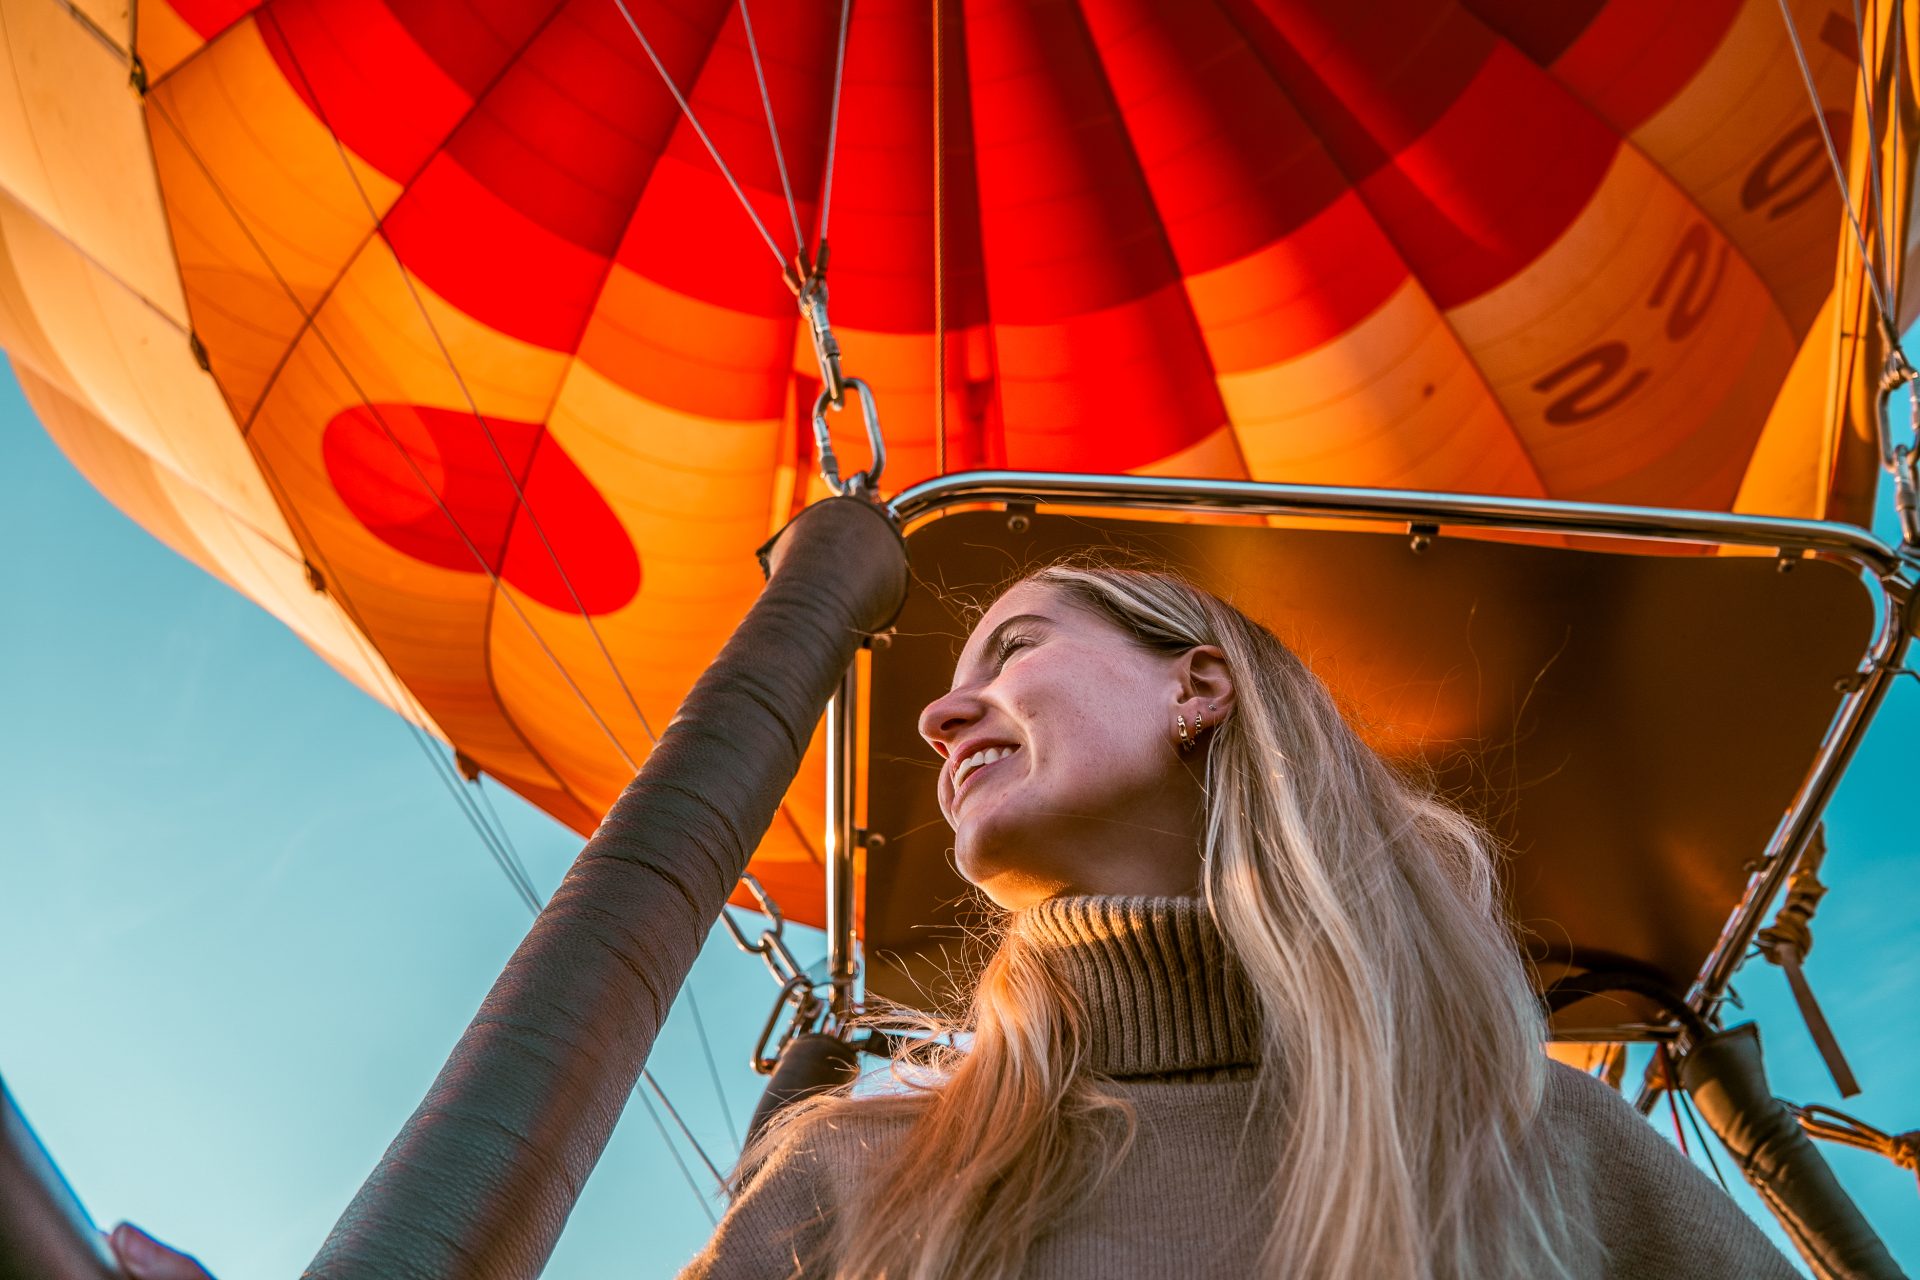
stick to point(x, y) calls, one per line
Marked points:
point(447, 309)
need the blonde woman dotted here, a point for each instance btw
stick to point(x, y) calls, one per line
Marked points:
point(1255, 1012)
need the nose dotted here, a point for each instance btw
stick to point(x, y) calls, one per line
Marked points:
point(945, 717)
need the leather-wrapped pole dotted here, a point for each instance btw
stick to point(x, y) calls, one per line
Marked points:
point(480, 1180)
point(44, 1233)
point(1727, 1079)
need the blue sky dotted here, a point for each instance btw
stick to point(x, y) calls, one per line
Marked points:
point(241, 922)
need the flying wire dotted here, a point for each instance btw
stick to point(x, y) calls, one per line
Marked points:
point(1887, 318)
point(833, 116)
point(412, 465)
point(773, 129)
point(939, 257)
point(1693, 1120)
point(1879, 207)
point(335, 593)
point(520, 498)
point(713, 1068)
point(700, 131)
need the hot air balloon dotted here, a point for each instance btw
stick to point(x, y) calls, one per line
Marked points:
point(464, 339)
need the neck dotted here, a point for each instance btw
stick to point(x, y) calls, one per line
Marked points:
point(1162, 994)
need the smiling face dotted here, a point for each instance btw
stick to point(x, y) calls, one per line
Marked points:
point(1060, 770)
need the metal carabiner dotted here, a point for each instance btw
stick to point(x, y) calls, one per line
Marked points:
point(862, 484)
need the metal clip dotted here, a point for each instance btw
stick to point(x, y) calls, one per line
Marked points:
point(1902, 461)
point(826, 347)
point(862, 484)
point(807, 278)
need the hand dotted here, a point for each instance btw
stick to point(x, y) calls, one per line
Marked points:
point(144, 1258)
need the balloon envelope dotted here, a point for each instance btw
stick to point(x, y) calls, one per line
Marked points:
point(437, 330)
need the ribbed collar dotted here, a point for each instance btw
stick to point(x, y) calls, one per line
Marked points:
point(1163, 996)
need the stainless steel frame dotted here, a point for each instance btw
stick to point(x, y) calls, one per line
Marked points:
point(842, 742)
point(1886, 572)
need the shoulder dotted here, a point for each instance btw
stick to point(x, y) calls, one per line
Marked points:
point(1649, 1208)
point(778, 1221)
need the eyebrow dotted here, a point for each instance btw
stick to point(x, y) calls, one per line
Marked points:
point(993, 640)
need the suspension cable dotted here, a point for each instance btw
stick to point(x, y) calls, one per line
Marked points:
point(486, 432)
point(806, 273)
point(1693, 1122)
point(366, 402)
point(939, 254)
point(1879, 206)
point(499, 844)
point(674, 1151)
point(700, 131)
point(523, 890)
point(773, 129)
point(833, 116)
point(1888, 320)
point(713, 1068)
point(527, 895)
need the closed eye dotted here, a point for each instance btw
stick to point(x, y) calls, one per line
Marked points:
point(1009, 645)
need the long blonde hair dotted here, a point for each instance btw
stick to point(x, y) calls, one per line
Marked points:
point(1401, 1066)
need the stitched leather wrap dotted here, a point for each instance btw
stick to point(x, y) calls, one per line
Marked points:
point(480, 1180)
point(1728, 1081)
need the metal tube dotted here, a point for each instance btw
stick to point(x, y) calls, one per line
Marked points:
point(1162, 493)
point(1884, 568)
point(842, 764)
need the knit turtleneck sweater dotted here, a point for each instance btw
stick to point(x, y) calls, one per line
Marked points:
point(1163, 998)
point(1171, 1027)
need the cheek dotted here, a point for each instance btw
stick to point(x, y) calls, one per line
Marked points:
point(1098, 733)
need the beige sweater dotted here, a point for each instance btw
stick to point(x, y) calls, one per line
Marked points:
point(1171, 1027)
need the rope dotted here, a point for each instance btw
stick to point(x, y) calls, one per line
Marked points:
point(95, 30)
point(1671, 1079)
point(1786, 943)
point(1790, 936)
point(1888, 320)
point(1830, 1125)
point(700, 131)
point(718, 1177)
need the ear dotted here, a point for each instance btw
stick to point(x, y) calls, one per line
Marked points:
point(1206, 683)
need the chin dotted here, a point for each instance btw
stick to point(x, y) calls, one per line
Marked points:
point(1010, 885)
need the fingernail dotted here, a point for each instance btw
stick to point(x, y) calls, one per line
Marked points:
point(136, 1245)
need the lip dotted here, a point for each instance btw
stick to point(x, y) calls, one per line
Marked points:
point(955, 789)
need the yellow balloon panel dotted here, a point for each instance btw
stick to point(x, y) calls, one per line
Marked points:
point(1752, 158)
point(74, 153)
point(1394, 398)
point(1663, 316)
point(265, 569)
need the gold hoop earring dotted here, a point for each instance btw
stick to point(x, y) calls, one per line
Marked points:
point(1186, 742)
